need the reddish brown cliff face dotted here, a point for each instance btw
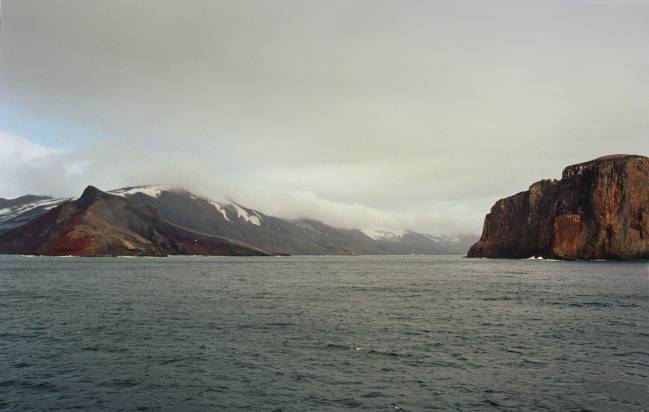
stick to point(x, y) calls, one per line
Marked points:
point(598, 210)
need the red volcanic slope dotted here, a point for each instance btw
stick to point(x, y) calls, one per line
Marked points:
point(100, 224)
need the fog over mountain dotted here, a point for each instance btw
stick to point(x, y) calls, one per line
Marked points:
point(368, 114)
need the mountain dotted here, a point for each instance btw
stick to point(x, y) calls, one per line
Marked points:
point(598, 210)
point(230, 220)
point(294, 236)
point(235, 221)
point(102, 224)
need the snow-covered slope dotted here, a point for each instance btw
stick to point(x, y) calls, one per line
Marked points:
point(13, 211)
point(16, 212)
point(152, 190)
point(402, 235)
point(388, 235)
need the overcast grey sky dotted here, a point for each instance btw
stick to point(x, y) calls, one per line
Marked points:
point(381, 114)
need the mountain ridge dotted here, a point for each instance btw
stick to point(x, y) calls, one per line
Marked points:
point(101, 224)
point(235, 221)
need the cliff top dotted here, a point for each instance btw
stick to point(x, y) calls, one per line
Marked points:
point(608, 158)
point(615, 158)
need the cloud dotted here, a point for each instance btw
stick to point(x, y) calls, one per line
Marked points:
point(380, 113)
point(305, 204)
point(53, 171)
point(19, 152)
point(20, 159)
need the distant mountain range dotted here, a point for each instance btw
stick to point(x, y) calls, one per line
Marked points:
point(161, 220)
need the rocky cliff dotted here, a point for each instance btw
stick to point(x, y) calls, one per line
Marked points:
point(598, 210)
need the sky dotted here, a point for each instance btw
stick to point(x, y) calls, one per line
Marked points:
point(368, 114)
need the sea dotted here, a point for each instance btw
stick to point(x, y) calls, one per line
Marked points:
point(329, 333)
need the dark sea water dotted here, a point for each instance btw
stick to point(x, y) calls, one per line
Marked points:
point(322, 333)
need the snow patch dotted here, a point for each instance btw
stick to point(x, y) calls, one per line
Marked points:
point(380, 234)
point(151, 191)
point(253, 217)
point(434, 238)
point(441, 238)
point(220, 208)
